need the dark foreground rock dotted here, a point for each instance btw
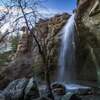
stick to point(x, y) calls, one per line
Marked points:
point(2, 97)
point(27, 89)
point(21, 89)
point(43, 98)
point(31, 90)
point(88, 44)
point(70, 96)
point(58, 89)
point(15, 89)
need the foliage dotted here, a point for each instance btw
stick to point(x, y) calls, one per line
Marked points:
point(27, 11)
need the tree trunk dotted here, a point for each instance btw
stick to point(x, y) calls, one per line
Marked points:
point(48, 82)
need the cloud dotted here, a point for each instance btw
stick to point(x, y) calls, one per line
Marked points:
point(16, 12)
point(49, 12)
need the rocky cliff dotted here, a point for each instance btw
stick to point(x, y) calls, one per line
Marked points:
point(21, 65)
point(49, 37)
point(28, 55)
point(88, 48)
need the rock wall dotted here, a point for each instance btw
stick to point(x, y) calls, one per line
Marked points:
point(47, 32)
point(21, 65)
point(88, 27)
point(27, 59)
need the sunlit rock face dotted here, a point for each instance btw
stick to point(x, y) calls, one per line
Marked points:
point(21, 65)
point(88, 52)
point(47, 32)
point(27, 54)
point(25, 44)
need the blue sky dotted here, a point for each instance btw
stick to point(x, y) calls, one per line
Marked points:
point(62, 5)
point(53, 7)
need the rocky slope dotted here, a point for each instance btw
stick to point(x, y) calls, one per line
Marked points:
point(88, 48)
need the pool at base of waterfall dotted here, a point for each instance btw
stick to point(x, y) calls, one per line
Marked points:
point(77, 88)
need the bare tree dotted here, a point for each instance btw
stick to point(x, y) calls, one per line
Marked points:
point(41, 51)
point(28, 12)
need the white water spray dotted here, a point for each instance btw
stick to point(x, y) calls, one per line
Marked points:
point(66, 69)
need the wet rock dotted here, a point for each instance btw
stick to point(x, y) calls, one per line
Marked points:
point(88, 28)
point(70, 96)
point(2, 97)
point(43, 98)
point(25, 58)
point(15, 90)
point(58, 89)
point(21, 65)
point(20, 89)
point(31, 90)
point(48, 31)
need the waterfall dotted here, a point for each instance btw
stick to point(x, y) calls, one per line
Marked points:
point(66, 67)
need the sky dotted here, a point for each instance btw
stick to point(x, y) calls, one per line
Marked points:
point(61, 5)
point(58, 5)
point(53, 7)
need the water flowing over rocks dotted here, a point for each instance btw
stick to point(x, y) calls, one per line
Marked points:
point(27, 55)
point(67, 62)
point(49, 37)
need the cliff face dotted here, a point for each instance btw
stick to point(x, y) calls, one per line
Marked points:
point(21, 66)
point(47, 32)
point(88, 52)
point(28, 55)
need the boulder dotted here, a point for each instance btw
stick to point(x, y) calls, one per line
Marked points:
point(43, 98)
point(58, 89)
point(20, 89)
point(31, 91)
point(70, 96)
point(15, 90)
point(2, 97)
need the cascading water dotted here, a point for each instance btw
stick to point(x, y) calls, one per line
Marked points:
point(67, 62)
point(66, 69)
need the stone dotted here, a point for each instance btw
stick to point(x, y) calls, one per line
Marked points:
point(20, 89)
point(31, 91)
point(21, 65)
point(15, 90)
point(19, 68)
point(48, 32)
point(43, 98)
point(88, 46)
point(58, 89)
point(70, 96)
point(2, 97)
